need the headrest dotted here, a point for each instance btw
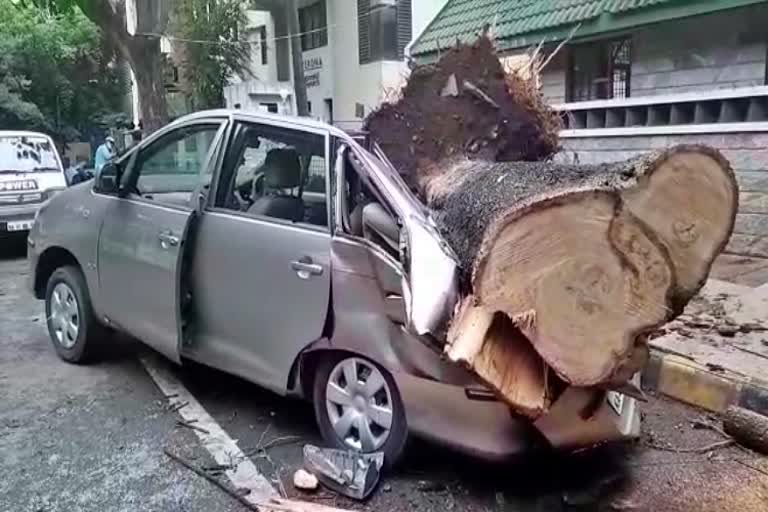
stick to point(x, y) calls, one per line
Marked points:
point(282, 168)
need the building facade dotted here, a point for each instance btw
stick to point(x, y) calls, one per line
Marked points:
point(639, 75)
point(353, 54)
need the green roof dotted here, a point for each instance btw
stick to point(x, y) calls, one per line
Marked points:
point(521, 23)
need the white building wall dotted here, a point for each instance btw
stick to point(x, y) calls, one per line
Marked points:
point(252, 91)
point(333, 72)
point(351, 82)
point(367, 84)
point(267, 72)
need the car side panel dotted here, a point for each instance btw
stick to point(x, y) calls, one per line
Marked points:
point(72, 221)
point(139, 271)
point(253, 313)
point(367, 291)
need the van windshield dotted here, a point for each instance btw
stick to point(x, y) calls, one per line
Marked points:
point(27, 153)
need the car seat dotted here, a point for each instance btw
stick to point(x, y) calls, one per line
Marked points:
point(282, 174)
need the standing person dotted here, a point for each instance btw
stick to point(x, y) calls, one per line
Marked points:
point(104, 153)
point(136, 133)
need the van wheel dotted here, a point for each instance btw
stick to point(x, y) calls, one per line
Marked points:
point(72, 326)
point(358, 407)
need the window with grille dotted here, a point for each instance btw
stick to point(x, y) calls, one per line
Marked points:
point(599, 70)
point(385, 28)
point(313, 26)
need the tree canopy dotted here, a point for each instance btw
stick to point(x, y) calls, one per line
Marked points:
point(209, 47)
point(57, 72)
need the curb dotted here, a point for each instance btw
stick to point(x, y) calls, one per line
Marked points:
point(684, 380)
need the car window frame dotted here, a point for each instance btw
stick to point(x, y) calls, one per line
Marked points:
point(233, 132)
point(129, 160)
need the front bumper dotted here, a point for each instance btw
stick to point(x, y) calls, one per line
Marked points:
point(443, 413)
point(585, 417)
point(21, 211)
point(14, 214)
point(487, 428)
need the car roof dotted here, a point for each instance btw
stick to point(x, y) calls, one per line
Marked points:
point(22, 133)
point(306, 122)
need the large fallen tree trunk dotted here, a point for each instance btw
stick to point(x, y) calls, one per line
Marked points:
point(585, 259)
point(581, 260)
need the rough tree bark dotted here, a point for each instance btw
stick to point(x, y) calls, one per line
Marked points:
point(145, 59)
point(565, 267)
point(299, 84)
point(747, 427)
point(141, 52)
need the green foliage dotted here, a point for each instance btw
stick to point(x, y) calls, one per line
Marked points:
point(58, 73)
point(15, 112)
point(206, 67)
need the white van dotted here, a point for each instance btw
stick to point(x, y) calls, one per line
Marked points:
point(30, 173)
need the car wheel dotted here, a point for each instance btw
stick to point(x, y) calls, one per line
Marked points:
point(72, 325)
point(358, 407)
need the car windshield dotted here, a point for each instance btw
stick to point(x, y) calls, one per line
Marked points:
point(27, 153)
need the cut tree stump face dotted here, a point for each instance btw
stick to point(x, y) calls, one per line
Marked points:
point(579, 270)
point(689, 202)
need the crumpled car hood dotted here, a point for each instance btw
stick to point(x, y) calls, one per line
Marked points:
point(431, 282)
point(431, 286)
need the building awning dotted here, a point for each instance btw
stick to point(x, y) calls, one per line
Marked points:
point(523, 23)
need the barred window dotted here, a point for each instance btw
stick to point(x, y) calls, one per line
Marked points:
point(599, 70)
point(313, 26)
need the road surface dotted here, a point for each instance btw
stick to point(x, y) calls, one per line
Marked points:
point(92, 438)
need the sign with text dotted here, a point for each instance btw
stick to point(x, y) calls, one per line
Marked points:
point(18, 185)
point(312, 68)
point(312, 79)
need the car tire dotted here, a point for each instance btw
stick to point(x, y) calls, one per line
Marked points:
point(72, 325)
point(362, 407)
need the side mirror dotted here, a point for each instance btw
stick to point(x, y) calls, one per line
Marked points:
point(108, 179)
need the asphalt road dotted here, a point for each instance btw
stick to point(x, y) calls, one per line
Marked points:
point(92, 437)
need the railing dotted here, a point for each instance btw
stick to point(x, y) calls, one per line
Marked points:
point(712, 111)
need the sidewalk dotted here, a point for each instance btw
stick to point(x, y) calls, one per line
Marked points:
point(716, 353)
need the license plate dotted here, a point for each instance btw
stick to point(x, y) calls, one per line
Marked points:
point(21, 225)
point(616, 401)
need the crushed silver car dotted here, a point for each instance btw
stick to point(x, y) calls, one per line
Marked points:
point(283, 251)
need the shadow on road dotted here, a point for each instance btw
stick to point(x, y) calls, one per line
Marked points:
point(222, 392)
point(119, 347)
point(13, 247)
point(541, 477)
point(537, 481)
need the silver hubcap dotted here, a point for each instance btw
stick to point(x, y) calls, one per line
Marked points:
point(65, 315)
point(359, 404)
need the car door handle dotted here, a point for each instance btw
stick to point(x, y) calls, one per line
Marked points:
point(168, 239)
point(305, 268)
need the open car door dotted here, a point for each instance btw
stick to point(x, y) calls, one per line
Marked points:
point(144, 236)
